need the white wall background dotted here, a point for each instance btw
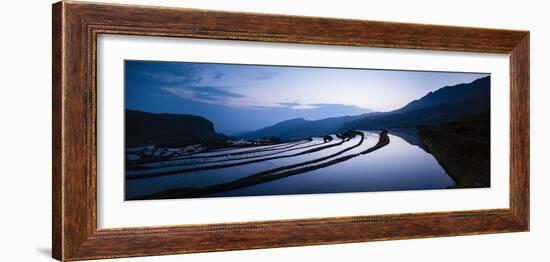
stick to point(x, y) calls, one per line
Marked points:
point(25, 152)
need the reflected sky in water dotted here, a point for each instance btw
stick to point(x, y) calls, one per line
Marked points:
point(398, 166)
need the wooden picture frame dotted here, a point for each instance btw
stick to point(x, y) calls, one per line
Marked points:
point(76, 26)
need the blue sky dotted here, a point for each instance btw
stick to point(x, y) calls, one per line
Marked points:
point(238, 98)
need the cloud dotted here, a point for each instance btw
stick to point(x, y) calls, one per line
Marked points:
point(263, 76)
point(352, 109)
point(289, 104)
point(219, 75)
point(297, 105)
point(205, 94)
point(304, 106)
point(173, 73)
point(174, 78)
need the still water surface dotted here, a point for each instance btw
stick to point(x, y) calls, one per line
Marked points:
point(397, 166)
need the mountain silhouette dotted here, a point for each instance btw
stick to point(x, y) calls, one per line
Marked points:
point(442, 105)
point(450, 94)
point(170, 130)
point(299, 127)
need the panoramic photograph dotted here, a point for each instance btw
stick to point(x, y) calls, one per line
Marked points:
point(199, 130)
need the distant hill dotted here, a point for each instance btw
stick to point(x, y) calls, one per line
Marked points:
point(450, 94)
point(442, 105)
point(299, 127)
point(169, 130)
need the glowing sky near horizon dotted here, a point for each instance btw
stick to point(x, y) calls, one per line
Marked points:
point(259, 86)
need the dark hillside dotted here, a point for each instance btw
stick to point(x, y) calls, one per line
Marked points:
point(169, 130)
point(443, 105)
point(462, 148)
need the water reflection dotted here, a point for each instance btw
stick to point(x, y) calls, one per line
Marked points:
point(398, 166)
point(147, 186)
point(401, 165)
